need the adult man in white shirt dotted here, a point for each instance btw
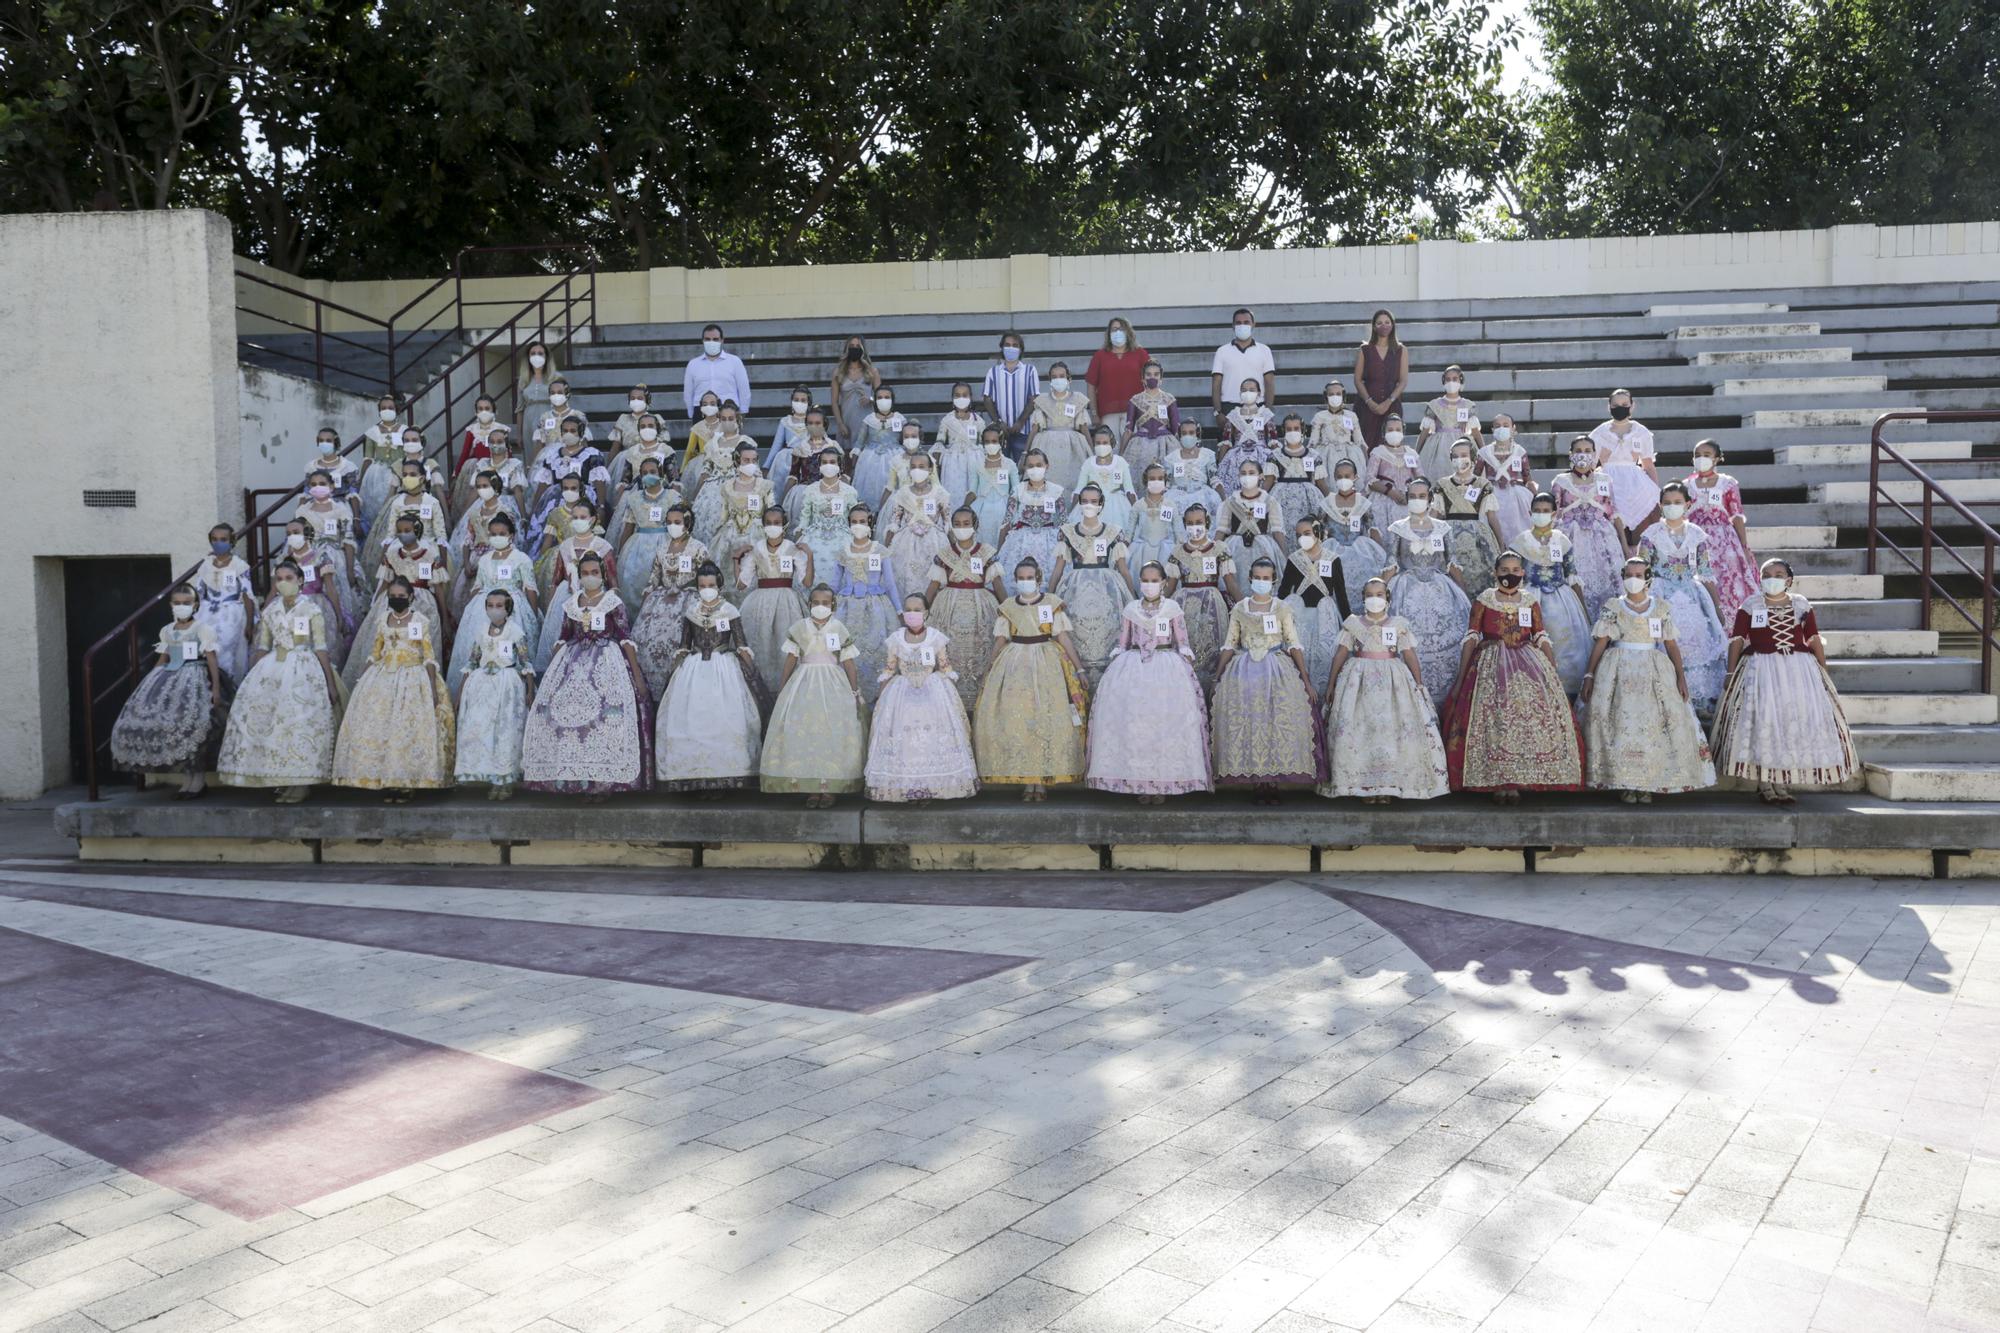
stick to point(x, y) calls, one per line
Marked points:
point(718, 370)
point(1242, 358)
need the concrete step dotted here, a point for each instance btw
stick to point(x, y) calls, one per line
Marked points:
point(1768, 356)
point(1904, 675)
point(1860, 643)
point(1817, 586)
point(1808, 386)
point(1854, 559)
point(1814, 416)
point(1850, 454)
point(1962, 743)
point(1893, 613)
point(1717, 308)
point(1789, 329)
point(1934, 781)
point(1781, 537)
point(1970, 490)
point(1920, 710)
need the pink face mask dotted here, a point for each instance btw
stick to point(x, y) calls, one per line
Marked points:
point(914, 619)
point(321, 492)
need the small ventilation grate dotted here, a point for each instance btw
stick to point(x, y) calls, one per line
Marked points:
point(111, 499)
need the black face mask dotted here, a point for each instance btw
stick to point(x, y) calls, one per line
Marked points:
point(1620, 412)
point(398, 603)
point(1508, 580)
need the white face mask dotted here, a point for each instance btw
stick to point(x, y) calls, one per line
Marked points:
point(1249, 400)
point(883, 405)
point(1345, 485)
point(637, 405)
point(387, 414)
point(710, 409)
point(920, 475)
point(1190, 443)
point(1307, 541)
point(1541, 519)
point(1243, 332)
point(1673, 511)
point(677, 530)
point(709, 594)
point(1503, 433)
point(860, 530)
point(1196, 532)
point(1635, 586)
point(485, 416)
point(1295, 437)
point(1117, 337)
point(1250, 480)
point(822, 613)
point(1156, 487)
point(1103, 449)
point(649, 433)
point(499, 541)
point(1451, 388)
point(485, 492)
point(1375, 605)
point(581, 526)
point(1333, 401)
point(961, 402)
point(1260, 587)
point(799, 408)
point(829, 469)
point(558, 399)
point(1392, 438)
point(537, 360)
point(1461, 464)
point(296, 540)
point(1037, 473)
point(912, 443)
point(965, 534)
point(1090, 510)
point(992, 448)
point(1704, 463)
point(1059, 383)
point(1150, 590)
point(183, 612)
point(774, 531)
point(1026, 587)
point(711, 346)
point(1774, 585)
point(1419, 504)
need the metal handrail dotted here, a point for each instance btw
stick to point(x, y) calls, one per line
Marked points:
point(251, 532)
point(1933, 491)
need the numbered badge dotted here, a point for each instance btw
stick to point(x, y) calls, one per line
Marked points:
point(1655, 628)
point(1526, 617)
point(1388, 636)
point(417, 630)
point(1045, 614)
point(190, 651)
point(1270, 624)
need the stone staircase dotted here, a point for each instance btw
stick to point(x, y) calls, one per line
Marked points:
point(1788, 381)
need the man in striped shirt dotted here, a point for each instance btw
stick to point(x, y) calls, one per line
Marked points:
point(1010, 393)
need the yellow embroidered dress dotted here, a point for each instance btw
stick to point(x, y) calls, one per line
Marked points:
point(398, 731)
point(1025, 728)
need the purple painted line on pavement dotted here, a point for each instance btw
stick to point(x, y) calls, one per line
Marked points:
point(245, 1103)
point(1494, 948)
point(821, 974)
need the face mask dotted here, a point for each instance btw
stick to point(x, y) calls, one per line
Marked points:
point(961, 402)
point(860, 530)
point(1333, 400)
point(1673, 511)
point(1635, 586)
point(912, 443)
point(1541, 519)
point(1117, 337)
point(496, 615)
point(1243, 332)
point(327, 446)
point(571, 439)
point(407, 538)
point(183, 612)
point(1037, 473)
point(321, 492)
point(1503, 433)
point(1582, 462)
point(1150, 589)
point(1190, 443)
point(387, 414)
point(709, 594)
point(884, 404)
point(296, 540)
point(1307, 541)
point(1295, 437)
point(964, 534)
point(1773, 586)
point(580, 526)
point(651, 481)
point(1508, 580)
point(1156, 487)
point(1704, 463)
point(413, 447)
point(637, 405)
point(500, 541)
point(571, 497)
point(711, 346)
point(1103, 448)
point(829, 470)
point(1460, 463)
point(1249, 399)
point(1419, 504)
point(1196, 532)
point(413, 483)
point(558, 399)
point(219, 547)
point(1260, 587)
point(485, 415)
point(1620, 411)
point(1451, 388)
point(1393, 438)
point(992, 448)
point(1090, 511)
point(1026, 587)
point(1251, 480)
point(537, 360)
point(746, 469)
point(710, 409)
point(919, 475)
point(1345, 485)
point(398, 602)
point(677, 530)
point(774, 531)
point(484, 492)
point(799, 408)
point(591, 582)
point(1010, 354)
point(1375, 605)
point(1060, 384)
point(822, 613)
point(286, 587)
point(1152, 381)
point(914, 619)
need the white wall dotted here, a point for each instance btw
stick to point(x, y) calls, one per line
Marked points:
point(281, 416)
point(142, 302)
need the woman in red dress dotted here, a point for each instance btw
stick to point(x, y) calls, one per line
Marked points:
point(1508, 725)
point(1381, 369)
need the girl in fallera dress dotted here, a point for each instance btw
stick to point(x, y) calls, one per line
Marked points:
point(1552, 577)
point(735, 507)
point(1392, 466)
point(1780, 723)
point(1154, 528)
point(920, 747)
point(1313, 585)
point(1587, 517)
point(1503, 461)
point(995, 480)
point(590, 731)
point(1191, 476)
point(420, 504)
point(1640, 731)
point(867, 600)
point(638, 530)
point(468, 536)
point(808, 460)
point(1677, 553)
point(553, 529)
point(1424, 584)
point(537, 370)
point(820, 517)
point(957, 445)
point(1152, 420)
point(1057, 427)
point(711, 721)
point(498, 566)
point(777, 572)
point(1252, 520)
point(1508, 725)
point(790, 441)
point(913, 456)
point(398, 734)
point(818, 738)
point(287, 712)
point(322, 583)
point(1448, 418)
point(915, 522)
point(330, 521)
point(1249, 429)
point(1349, 522)
point(656, 636)
point(562, 414)
point(697, 468)
point(1625, 453)
point(381, 451)
point(1201, 579)
point(499, 459)
point(1093, 583)
point(173, 721)
point(228, 604)
point(1336, 432)
point(1265, 720)
point(1295, 474)
point(494, 697)
point(1034, 516)
point(1112, 477)
point(567, 557)
point(1149, 719)
point(964, 593)
point(1028, 728)
point(877, 442)
point(1462, 498)
point(1382, 735)
point(421, 566)
point(1718, 512)
point(648, 440)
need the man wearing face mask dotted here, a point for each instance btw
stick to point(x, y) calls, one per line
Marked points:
point(715, 370)
point(1242, 358)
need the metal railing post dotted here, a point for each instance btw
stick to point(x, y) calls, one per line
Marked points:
point(1987, 630)
point(1928, 533)
point(1874, 491)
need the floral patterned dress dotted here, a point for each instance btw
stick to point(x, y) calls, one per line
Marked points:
point(711, 727)
point(915, 526)
point(1199, 574)
point(1509, 724)
point(1149, 719)
point(1061, 430)
point(1032, 527)
point(1425, 595)
point(1093, 591)
point(821, 521)
point(992, 489)
point(775, 602)
point(1027, 727)
point(1715, 510)
point(282, 725)
point(1682, 576)
point(1632, 491)
point(869, 601)
point(1265, 730)
point(1584, 514)
point(1361, 556)
point(964, 610)
point(1337, 436)
point(1398, 468)
point(591, 729)
point(1152, 421)
point(1639, 733)
point(398, 731)
point(1446, 421)
point(1553, 579)
point(171, 723)
point(1464, 506)
point(1781, 719)
point(1314, 586)
point(818, 737)
point(920, 746)
point(669, 590)
point(1381, 727)
point(493, 706)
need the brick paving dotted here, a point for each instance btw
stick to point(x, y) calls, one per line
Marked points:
point(1386, 1103)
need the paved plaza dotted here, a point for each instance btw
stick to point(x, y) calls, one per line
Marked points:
point(362, 1098)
